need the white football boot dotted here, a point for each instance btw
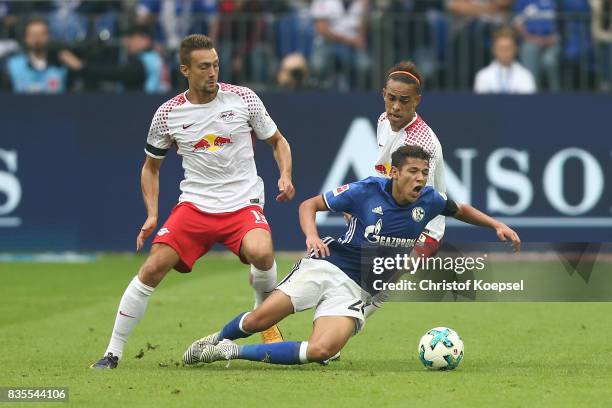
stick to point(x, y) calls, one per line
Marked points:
point(224, 350)
point(194, 351)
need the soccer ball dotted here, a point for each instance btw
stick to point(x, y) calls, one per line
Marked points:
point(441, 348)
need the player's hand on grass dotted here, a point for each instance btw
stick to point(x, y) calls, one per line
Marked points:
point(285, 186)
point(505, 233)
point(314, 243)
point(147, 228)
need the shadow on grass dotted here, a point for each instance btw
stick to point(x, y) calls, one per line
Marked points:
point(376, 366)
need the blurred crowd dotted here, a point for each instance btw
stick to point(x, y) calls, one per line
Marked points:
point(495, 46)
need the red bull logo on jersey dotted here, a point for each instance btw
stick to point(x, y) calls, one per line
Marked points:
point(211, 143)
point(383, 169)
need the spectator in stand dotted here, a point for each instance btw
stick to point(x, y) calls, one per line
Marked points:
point(144, 69)
point(172, 20)
point(37, 70)
point(12, 12)
point(73, 20)
point(245, 40)
point(293, 72)
point(471, 24)
point(578, 59)
point(339, 56)
point(601, 29)
point(66, 23)
point(504, 75)
point(294, 30)
point(419, 30)
point(8, 44)
point(539, 52)
point(175, 19)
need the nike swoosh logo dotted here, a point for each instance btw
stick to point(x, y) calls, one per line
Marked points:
point(126, 315)
point(187, 126)
point(380, 145)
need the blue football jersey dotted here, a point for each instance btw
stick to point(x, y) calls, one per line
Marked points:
point(377, 220)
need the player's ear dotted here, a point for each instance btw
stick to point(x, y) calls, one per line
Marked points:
point(184, 70)
point(394, 173)
point(418, 100)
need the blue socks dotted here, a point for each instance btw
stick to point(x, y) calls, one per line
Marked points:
point(232, 330)
point(286, 352)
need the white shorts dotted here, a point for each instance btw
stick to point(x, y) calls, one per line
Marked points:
point(316, 282)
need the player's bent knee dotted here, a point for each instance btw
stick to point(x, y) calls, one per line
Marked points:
point(257, 249)
point(151, 273)
point(261, 256)
point(319, 352)
point(252, 323)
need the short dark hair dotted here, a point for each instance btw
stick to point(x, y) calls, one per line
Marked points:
point(406, 71)
point(194, 42)
point(407, 151)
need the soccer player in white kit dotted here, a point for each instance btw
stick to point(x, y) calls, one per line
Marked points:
point(213, 126)
point(400, 125)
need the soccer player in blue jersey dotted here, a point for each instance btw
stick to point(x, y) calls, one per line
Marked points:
point(385, 212)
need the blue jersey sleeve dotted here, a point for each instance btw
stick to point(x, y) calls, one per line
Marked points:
point(344, 198)
point(443, 205)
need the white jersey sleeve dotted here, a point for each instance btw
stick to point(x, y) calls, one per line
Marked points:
point(439, 182)
point(259, 119)
point(159, 139)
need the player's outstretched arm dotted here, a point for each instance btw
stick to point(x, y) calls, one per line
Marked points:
point(149, 182)
point(282, 155)
point(308, 212)
point(471, 215)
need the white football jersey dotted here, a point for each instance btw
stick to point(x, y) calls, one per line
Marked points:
point(216, 142)
point(415, 133)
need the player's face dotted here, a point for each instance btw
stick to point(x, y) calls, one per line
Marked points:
point(409, 179)
point(202, 72)
point(401, 100)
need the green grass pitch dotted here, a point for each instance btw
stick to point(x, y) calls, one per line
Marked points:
point(55, 319)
